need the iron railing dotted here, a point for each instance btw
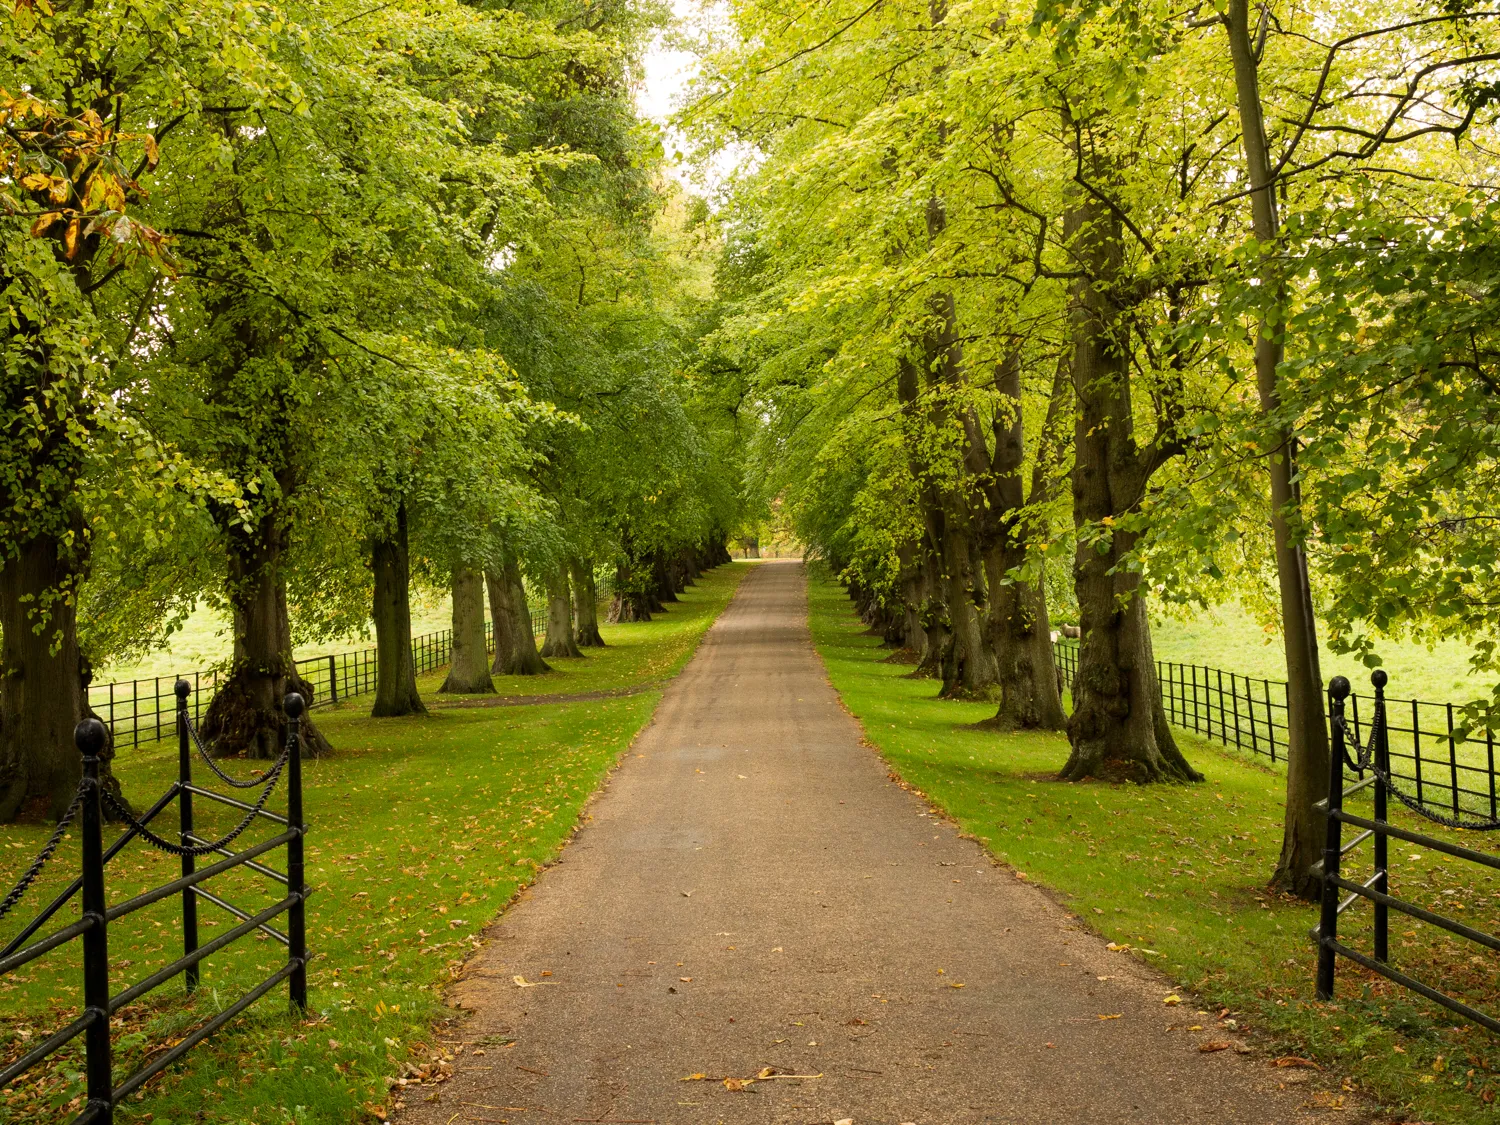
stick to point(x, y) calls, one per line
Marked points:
point(90, 804)
point(1443, 768)
point(1373, 767)
point(144, 710)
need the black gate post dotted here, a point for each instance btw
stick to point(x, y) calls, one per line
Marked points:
point(185, 827)
point(89, 736)
point(1382, 842)
point(297, 922)
point(1328, 925)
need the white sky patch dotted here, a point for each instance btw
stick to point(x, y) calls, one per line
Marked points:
point(668, 70)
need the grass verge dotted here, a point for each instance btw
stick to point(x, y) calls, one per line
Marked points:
point(1177, 874)
point(423, 829)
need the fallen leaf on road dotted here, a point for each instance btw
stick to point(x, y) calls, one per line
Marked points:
point(951, 984)
point(1113, 948)
point(738, 1083)
point(1293, 1060)
point(685, 980)
point(522, 982)
point(1216, 1045)
point(1119, 1015)
point(700, 1077)
point(1171, 999)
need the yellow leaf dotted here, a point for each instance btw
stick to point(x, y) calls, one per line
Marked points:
point(700, 1077)
point(1172, 999)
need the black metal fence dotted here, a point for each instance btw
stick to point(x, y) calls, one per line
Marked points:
point(145, 710)
point(89, 806)
point(1443, 768)
point(1373, 765)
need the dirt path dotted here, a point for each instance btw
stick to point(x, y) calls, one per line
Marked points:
point(753, 891)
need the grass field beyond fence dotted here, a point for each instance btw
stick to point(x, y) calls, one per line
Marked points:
point(1177, 874)
point(421, 830)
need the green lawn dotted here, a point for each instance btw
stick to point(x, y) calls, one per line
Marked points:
point(1177, 873)
point(203, 641)
point(1228, 638)
point(423, 829)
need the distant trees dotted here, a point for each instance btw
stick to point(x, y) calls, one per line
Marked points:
point(1010, 286)
point(313, 303)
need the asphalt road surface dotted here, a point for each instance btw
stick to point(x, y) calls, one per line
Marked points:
point(752, 894)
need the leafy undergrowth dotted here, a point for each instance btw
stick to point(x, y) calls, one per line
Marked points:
point(1178, 874)
point(423, 829)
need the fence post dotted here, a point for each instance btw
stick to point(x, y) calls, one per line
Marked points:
point(297, 919)
point(185, 827)
point(1328, 925)
point(333, 678)
point(1382, 842)
point(89, 736)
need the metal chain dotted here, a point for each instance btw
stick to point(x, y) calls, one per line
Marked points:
point(43, 856)
point(203, 849)
point(213, 765)
point(1367, 762)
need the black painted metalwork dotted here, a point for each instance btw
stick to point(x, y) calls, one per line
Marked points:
point(97, 916)
point(1371, 763)
point(1433, 763)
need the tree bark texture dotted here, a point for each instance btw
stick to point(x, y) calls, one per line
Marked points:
point(245, 715)
point(41, 696)
point(1019, 632)
point(469, 672)
point(395, 670)
point(559, 640)
point(515, 643)
point(1118, 727)
point(1307, 736)
point(585, 604)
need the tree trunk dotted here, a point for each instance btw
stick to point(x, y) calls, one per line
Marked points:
point(585, 605)
point(631, 601)
point(1020, 634)
point(661, 589)
point(1307, 737)
point(245, 715)
point(395, 672)
point(515, 643)
point(469, 673)
point(559, 640)
point(502, 623)
point(970, 671)
point(1118, 728)
point(41, 697)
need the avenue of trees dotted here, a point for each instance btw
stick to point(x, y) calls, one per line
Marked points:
point(1054, 309)
point(306, 301)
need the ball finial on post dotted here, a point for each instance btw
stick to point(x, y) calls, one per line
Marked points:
point(1339, 688)
point(293, 705)
point(183, 690)
point(1379, 678)
point(90, 737)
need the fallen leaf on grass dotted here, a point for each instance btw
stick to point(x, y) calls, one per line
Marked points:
point(1216, 1045)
